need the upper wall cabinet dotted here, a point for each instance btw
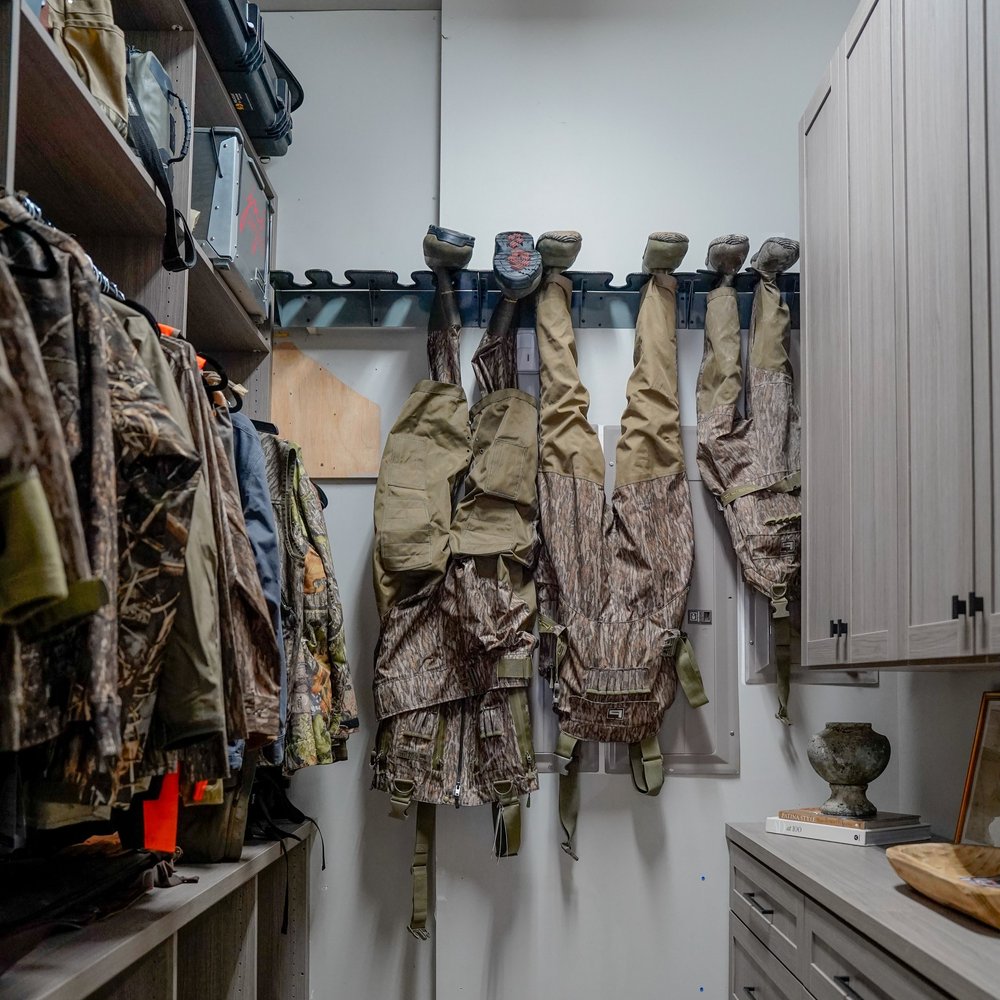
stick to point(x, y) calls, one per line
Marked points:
point(902, 560)
point(984, 19)
point(826, 445)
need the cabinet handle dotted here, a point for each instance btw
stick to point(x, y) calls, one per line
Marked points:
point(841, 627)
point(975, 604)
point(957, 606)
point(750, 992)
point(833, 629)
point(844, 982)
point(751, 898)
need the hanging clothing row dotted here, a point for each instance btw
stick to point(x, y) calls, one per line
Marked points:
point(167, 593)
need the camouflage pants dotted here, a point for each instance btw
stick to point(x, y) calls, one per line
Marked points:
point(614, 579)
point(452, 580)
point(751, 463)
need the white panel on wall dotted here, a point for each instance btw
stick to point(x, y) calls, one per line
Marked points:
point(360, 182)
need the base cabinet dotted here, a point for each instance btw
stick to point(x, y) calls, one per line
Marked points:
point(816, 921)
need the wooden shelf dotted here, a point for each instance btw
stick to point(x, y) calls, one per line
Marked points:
point(61, 133)
point(216, 319)
point(72, 965)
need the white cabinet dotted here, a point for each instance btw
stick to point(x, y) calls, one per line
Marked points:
point(871, 323)
point(826, 555)
point(936, 332)
point(901, 389)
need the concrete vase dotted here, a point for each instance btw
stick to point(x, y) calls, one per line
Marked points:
point(849, 755)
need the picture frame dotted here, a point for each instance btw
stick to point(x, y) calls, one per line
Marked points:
point(979, 815)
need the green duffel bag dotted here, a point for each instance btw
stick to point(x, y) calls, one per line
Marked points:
point(158, 102)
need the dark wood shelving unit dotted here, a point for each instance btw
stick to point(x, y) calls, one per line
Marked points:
point(65, 153)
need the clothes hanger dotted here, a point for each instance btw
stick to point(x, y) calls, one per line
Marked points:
point(142, 310)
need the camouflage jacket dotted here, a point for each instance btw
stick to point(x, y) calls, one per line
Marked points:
point(321, 704)
point(249, 651)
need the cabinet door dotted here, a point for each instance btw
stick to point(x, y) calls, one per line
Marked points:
point(826, 551)
point(872, 330)
point(984, 174)
point(937, 463)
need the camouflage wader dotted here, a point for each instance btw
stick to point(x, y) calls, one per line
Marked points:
point(751, 464)
point(613, 579)
point(454, 594)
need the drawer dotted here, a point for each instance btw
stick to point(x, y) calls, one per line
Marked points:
point(770, 907)
point(754, 973)
point(843, 965)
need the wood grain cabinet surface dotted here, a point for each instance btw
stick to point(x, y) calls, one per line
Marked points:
point(900, 182)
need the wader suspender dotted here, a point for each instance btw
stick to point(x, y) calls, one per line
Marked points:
point(645, 756)
point(506, 816)
point(782, 649)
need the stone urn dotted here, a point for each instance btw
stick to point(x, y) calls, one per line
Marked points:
point(849, 755)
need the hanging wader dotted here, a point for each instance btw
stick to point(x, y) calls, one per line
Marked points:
point(613, 579)
point(455, 597)
point(751, 464)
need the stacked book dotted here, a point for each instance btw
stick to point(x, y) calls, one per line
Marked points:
point(883, 828)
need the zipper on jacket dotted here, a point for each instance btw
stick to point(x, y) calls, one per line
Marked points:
point(456, 792)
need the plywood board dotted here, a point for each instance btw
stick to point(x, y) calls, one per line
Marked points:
point(337, 428)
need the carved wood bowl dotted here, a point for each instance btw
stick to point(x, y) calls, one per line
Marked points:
point(947, 873)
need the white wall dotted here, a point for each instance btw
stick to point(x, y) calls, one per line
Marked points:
point(613, 119)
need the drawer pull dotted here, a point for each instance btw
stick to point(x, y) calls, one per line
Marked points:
point(844, 982)
point(751, 898)
point(749, 992)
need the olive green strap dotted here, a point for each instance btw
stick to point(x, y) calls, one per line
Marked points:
point(782, 648)
point(569, 789)
point(506, 820)
point(688, 673)
point(437, 762)
point(518, 701)
point(400, 794)
point(646, 759)
point(423, 854)
point(787, 485)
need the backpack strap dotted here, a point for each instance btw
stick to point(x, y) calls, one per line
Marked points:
point(646, 759)
point(688, 673)
point(506, 820)
point(179, 252)
point(569, 789)
point(782, 649)
point(420, 870)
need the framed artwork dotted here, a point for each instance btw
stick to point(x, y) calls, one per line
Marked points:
point(979, 817)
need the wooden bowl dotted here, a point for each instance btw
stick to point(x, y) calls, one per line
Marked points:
point(945, 873)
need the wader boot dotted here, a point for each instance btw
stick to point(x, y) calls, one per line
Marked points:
point(453, 587)
point(613, 578)
point(751, 463)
